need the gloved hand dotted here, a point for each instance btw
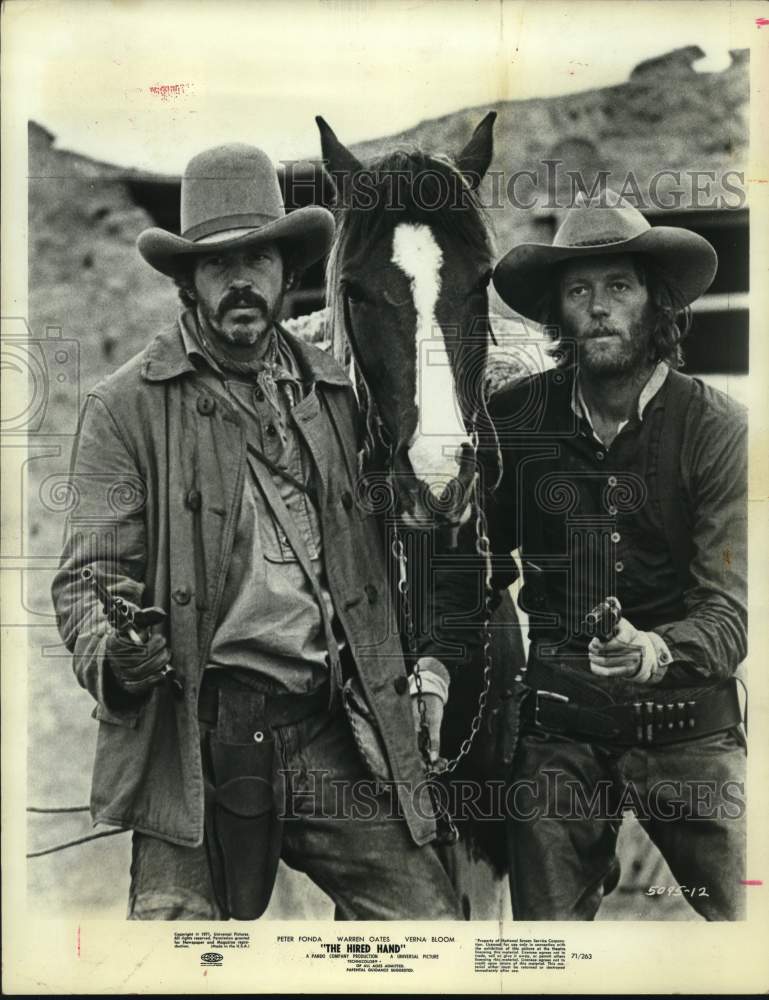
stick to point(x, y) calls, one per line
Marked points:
point(638, 656)
point(137, 668)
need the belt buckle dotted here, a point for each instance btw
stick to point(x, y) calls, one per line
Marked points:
point(548, 696)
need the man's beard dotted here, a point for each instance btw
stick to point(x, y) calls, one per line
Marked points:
point(241, 335)
point(622, 355)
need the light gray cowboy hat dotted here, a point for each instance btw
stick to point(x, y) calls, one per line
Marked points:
point(611, 226)
point(231, 198)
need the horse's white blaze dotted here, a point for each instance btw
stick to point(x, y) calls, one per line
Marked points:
point(440, 431)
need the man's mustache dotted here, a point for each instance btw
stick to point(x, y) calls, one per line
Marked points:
point(244, 298)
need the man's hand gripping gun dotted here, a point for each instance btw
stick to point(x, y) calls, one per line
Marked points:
point(131, 623)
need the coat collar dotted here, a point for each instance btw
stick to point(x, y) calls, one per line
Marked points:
point(316, 365)
point(166, 357)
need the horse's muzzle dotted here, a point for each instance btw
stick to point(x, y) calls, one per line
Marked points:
point(429, 500)
point(444, 504)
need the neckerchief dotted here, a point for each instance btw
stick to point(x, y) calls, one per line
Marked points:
point(268, 371)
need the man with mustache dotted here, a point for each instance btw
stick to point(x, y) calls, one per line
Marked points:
point(215, 475)
point(624, 484)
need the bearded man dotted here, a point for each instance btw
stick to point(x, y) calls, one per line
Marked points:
point(624, 485)
point(215, 475)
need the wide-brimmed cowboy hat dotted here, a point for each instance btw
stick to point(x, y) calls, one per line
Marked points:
point(608, 225)
point(231, 198)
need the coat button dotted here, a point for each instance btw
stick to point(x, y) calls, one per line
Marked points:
point(370, 592)
point(181, 595)
point(192, 500)
point(347, 500)
point(401, 684)
point(206, 405)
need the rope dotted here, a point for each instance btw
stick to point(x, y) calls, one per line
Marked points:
point(58, 809)
point(74, 843)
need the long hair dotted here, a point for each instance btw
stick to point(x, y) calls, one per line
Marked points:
point(671, 317)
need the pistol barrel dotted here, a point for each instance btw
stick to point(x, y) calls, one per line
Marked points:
point(603, 618)
point(87, 575)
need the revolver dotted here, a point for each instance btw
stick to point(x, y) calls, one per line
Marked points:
point(603, 619)
point(130, 621)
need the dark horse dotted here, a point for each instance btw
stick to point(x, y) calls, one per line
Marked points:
point(407, 289)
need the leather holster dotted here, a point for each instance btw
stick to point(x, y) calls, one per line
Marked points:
point(244, 825)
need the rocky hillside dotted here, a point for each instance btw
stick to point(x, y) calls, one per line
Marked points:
point(667, 115)
point(85, 275)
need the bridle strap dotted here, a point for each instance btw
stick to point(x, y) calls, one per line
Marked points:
point(482, 548)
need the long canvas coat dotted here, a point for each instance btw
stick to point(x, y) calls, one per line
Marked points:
point(158, 472)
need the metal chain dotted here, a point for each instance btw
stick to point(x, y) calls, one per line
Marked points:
point(411, 642)
point(483, 549)
point(446, 828)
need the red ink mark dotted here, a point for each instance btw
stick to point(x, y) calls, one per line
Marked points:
point(761, 22)
point(78, 941)
point(167, 90)
point(751, 881)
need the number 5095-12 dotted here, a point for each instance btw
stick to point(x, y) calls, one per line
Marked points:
point(676, 890)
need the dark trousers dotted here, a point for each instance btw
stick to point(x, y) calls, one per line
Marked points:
point(349, 841)
point(566, 812)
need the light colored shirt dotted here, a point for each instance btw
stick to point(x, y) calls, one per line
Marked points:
point(271, 622)
point(649, 391)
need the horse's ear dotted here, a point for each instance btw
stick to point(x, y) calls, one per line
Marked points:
point(475, 158)
point(340, 163)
